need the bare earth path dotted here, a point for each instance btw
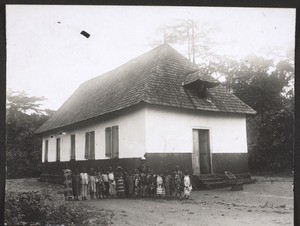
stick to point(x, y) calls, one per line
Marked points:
point(267, 202)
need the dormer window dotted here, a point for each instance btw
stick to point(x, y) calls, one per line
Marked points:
point(199, 83)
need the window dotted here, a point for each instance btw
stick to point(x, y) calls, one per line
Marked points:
point(46, 150)
point(57, 149)
point(89, 145)
point(73, 147)
point(112, 142)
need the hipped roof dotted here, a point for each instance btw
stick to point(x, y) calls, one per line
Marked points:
point(156, 77)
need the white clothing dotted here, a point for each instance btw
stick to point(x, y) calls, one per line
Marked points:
point(84, 178)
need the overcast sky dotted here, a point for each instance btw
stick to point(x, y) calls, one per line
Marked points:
point(47, 56)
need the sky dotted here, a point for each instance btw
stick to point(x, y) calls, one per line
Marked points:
point(47, 56)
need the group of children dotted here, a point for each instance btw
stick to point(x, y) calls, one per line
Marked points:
point(140, 183)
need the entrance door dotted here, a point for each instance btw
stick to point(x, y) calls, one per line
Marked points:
point(201, 153)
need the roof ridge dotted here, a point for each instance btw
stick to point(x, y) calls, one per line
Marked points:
point(127, 63)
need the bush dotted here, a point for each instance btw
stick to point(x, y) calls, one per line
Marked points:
point(42, 208)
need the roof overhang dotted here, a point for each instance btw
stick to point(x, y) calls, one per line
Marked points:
point(198, 79)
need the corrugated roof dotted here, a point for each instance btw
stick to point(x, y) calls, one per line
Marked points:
point(156, 77)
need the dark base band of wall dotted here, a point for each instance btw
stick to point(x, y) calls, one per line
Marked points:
point(103, 164)
point(221, 162)
point(234, 162)
point(156, 161)
point(168, 161)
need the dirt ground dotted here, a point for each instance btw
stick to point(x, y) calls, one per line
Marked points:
point(269, 201)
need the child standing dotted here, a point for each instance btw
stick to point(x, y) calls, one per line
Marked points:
point(106, 182)
point(167, 183)
point(187, 185)
point(99, 184)
point(143, 184)
point(130, 185)
point(178, 180)
point(84, 183)
point(112, 183)
point(126, 177)
point(137, 180)
point(152, 183)
point(172, 186)
point(76, 181)
point(68, 183)
point(120, 182)
point(160, 190)
point(92, 181)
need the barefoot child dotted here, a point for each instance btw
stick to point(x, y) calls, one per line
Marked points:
point(160, 190)
point(187, 185)
point(130, 185)
point(68, 183)
point(106, 182)
point(120, 183)
point(92, 181)
point(167, 182)
point(112, 183)
point(100, 188)
point(137, 180)
point(178, 180)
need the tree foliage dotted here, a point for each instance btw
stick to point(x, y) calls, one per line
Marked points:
point(195, 37)
point(34, 208)
point(262, 84)
point(23, 117)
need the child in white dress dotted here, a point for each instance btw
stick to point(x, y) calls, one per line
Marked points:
point(187, 185)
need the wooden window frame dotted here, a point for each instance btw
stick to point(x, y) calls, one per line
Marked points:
point(89, 152)
point(112, 142)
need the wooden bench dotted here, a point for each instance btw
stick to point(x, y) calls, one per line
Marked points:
point(235, 182)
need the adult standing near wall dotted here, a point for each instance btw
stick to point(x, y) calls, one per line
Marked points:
point(143, 167)
point(84, 183)
point(76, 183)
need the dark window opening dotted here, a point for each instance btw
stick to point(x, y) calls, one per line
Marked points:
point(201, 92)
point(73, 154)
point(57, 149)
point(46, 150)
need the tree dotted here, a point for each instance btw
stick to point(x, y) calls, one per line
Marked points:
point(262, 84)
point(23, 117)
point(195, 37)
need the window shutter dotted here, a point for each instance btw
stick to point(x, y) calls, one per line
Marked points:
point(73, 147)
point(46, 150)
point(57, 149)
point(115, 141)
point(92, 145)
point(87, 143)
point(108, 142)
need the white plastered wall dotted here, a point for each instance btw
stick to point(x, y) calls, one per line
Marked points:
point(169, 130)
point(131, 138)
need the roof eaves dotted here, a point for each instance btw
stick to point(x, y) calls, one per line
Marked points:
point(38, 131)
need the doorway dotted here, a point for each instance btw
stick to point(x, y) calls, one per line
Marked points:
point(201, 158)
